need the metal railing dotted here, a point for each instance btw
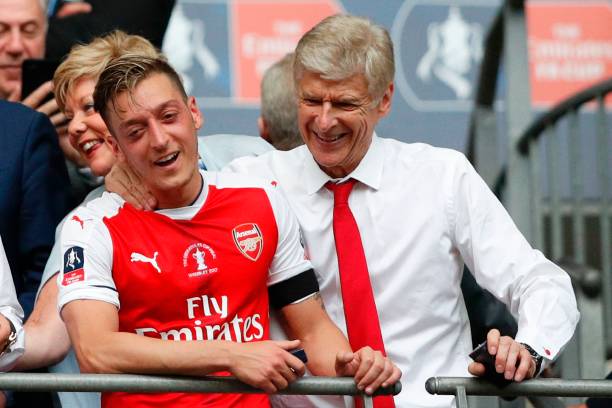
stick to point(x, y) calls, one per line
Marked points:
point(31, 382)
point(554, 181)
point(462, 387)
point(545, 144)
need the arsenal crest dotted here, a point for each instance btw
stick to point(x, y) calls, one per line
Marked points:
point(249, 240)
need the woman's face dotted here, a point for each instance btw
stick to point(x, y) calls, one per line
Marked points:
point(87, 131)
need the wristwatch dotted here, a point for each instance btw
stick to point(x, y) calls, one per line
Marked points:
point(537, 358)
point(12, 338)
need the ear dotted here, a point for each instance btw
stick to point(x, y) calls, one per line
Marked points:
point(196, 115)
point(384, 107)
point(264, 132)
point(112, 142)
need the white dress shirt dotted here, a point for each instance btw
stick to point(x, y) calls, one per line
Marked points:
point(422, 212)
point(10, 308)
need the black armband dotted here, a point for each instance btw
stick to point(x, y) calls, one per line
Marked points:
point(295, 288)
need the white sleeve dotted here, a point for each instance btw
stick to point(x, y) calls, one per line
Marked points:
point(289, 259)
point(537, 292)
point(54, 262)
point(10, 308)
point(87, 260)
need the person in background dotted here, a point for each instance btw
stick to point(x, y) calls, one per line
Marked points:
point(23, 29)
point(390, 262)
point(278, 120)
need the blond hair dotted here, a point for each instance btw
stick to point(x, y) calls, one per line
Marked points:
point(341, 46)
point(89, 60)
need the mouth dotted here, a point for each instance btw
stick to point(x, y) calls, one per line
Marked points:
point(90, 146)
point(13, 71)
point(327, 139)
point(167, 160)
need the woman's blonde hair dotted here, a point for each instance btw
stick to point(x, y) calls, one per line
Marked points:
point(89, 60)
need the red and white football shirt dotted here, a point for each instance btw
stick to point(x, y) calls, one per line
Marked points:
point(193, 273)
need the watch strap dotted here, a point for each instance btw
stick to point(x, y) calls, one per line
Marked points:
point(537, 358)
point(12, 338)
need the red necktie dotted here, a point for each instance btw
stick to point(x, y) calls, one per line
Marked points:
point(359, 308)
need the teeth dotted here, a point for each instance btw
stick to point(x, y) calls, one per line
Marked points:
point(329, 139)
point(167, 158)
point(89, 145)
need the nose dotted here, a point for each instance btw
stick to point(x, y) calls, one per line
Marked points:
point(159, 138)
point(15, 45)
point(326, 118)
point(76, 127)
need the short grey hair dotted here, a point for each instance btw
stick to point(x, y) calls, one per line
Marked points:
point(341, 46)
point(279, 104)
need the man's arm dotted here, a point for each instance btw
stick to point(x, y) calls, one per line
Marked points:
point(537, 292)
point(329, 352)
point(101, 348)
point(45, 333)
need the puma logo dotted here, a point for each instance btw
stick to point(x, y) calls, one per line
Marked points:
point(136, 257)
point(80, 221)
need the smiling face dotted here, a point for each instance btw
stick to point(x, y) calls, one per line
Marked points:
point(87, 131)
point(155, 129)
point(337, 120)
point(22, 35)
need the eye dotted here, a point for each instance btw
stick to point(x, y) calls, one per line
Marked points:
point(89, 107)
point(134, 133)
point(347, 106)
point(311, 101)
point(30, 29)
point(169, 116)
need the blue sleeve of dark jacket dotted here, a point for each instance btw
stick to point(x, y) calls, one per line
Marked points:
point(45, 195)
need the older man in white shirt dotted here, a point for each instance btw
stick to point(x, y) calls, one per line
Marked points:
point(422, 213)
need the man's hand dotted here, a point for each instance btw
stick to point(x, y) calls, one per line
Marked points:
point(369, 367)
point(267, 365)
point(72, 8)
point(511, 358)
point(35, 101)
point(123, 181)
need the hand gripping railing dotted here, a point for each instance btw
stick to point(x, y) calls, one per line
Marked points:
point(31, 382)
point(460, 387)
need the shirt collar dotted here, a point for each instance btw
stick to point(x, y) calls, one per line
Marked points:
point(368, 172)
